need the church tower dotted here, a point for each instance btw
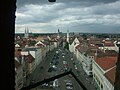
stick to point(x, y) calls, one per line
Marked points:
point(58, 36)
point(26, 34)
point(68, 36)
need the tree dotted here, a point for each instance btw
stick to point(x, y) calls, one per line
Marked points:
point(66, 46)
point(84, 36)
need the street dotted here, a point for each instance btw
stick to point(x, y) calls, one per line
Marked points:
point(62, 56)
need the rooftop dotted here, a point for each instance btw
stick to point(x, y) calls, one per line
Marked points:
point(110, 75)
point(106, 62)
point(30, 58)
point(17, 64)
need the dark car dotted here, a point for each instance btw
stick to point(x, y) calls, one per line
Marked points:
point(53, 68)
point(32, 82)
point(56, 62)
point(50, 84)
point(41, 67)
point(50, 69)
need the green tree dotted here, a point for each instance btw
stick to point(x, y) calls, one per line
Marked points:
point(66, 46)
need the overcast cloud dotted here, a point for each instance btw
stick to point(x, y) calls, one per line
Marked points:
point(76, 15)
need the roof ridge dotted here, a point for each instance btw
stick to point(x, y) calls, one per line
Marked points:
point(110, 69)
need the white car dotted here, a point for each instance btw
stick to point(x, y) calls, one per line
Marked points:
point(75, 67)
point(54, 66)
point(68, 83)
point(45, 84)
point(69, 87)
point(57, 52)
point(63, 56)
point(64, 62)
point(71, 58)
point(55, 83)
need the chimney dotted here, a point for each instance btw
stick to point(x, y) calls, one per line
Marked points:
point(117, 75)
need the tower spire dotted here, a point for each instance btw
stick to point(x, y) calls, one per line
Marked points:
point(25, 33)
point(68, 36)
point(58, 36)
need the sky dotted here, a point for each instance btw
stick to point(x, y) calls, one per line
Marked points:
point(87, 16)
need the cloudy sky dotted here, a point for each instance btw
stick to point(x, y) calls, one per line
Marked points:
point(93, 16)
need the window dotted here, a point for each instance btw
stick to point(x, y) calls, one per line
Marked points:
point(101, 86)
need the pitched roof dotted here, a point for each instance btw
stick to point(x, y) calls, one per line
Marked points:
point(17, 53)
point(111, 53)
point(40, 45)
point(45, 42)
point(71, 39)
point(110, 75)
point(17, 45)
point(94, 40)
point(17, 64)
point(30, 49)
point(30, 58)
point(100, 45)
point(106, 53)
point(82, 48)
point(92, 46)
point(106, 62)
point(108, 44)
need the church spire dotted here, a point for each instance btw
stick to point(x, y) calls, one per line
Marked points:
point(58, 36)
point(25, 32)
point(68, 36)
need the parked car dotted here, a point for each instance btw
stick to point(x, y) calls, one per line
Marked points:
point(75, 67)
point(70, 75)
point(32, 82)
point(71, 59)
point(50, 84)
point(45, 85)
point(64, 62)
point(53, 68)
point(50, 69)
point(55, 83)
point(69, 85)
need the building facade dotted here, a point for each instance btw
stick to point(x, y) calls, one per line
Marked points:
point(102, 77)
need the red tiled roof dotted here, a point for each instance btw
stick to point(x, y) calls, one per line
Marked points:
point(110, 75)
point(78, 46)
point(108, 44)
point(111, 53)
point(93, 47)
point(106, 62)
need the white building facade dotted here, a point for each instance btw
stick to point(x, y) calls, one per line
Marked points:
point(73, 45)
point(99, 75)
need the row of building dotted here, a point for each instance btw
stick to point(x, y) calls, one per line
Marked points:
point(29, 53)
point(98, 57)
